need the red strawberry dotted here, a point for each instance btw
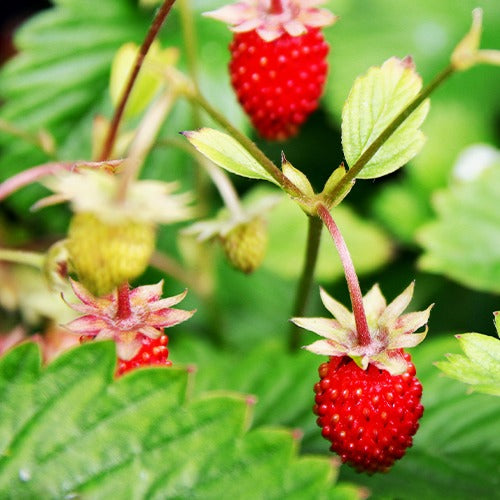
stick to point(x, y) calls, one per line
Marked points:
point(278, 61)
point(368, 415)
point(368, 398)
point(153, 352)
point(135, 319)
point(278, 83)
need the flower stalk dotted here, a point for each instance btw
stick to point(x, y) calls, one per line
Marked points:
point(124, 310)
point(351, 277)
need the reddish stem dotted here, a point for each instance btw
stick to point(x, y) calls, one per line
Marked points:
point(146, 44)
point(350, 275)
point(276, 7)
point(34, 174)
point(124, 311)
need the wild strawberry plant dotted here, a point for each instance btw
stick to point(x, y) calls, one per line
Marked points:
point(110, 219)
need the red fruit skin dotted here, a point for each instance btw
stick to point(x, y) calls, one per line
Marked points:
point(278, 83)
point(153, 352)
point(369, 415)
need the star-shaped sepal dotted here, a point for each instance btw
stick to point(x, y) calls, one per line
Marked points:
point(148, 315)
point(294, 17)
point(391, 331)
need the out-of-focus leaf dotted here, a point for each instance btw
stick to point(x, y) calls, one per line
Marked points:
point(375, 100)
point(59, 82)
point(464, 241)
point(226, 152)
point(288, 236)
point(136, 437)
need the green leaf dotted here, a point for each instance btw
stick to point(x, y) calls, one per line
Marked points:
point(463, 243)
point(71, 430)
point(228, 153)
point(480, 367)
point(454, 454)
point(288, 236)
point(375, 100)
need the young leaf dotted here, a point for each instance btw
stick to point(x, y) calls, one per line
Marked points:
point(375, 100)
point(70, 430)
point(464, 241)
point(226, 152)
point(480, 367)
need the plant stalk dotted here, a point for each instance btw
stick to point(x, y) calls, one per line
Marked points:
point(152, 33)
point(350, 274)
point(124, 311)
point(306, 278)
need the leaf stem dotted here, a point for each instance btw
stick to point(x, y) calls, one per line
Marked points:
point(350, 274)
point(143, 50)
point(250, 146)
point(372, 149)
point(306, 278)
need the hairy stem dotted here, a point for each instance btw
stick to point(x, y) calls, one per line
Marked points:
point(144, 139)
point(350, 275)
point(306, 278)
point(157, 23)
point(372, 149)
point(124, 311)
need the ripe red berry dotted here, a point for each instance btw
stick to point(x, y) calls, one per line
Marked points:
point(153, 352)
point(278, 60)
point(278, 82)
point(369, 415)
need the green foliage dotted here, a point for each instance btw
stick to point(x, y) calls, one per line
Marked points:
point(480, 367)
point(464, 242)
point(137, 437)
point(59, 81)
point(375, 100)
point(462, 113)
point(444, 461)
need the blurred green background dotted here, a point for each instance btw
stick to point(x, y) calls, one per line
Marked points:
point(425, 222)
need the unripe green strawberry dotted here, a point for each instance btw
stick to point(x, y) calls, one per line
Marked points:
point(104, 254)
point(245, 245)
